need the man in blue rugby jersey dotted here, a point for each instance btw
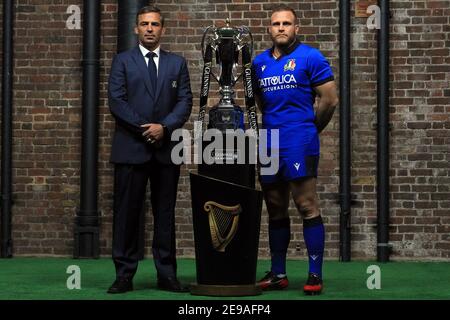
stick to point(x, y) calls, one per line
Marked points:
point(288, 77)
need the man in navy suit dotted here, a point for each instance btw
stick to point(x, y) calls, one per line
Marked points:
point(149, 96)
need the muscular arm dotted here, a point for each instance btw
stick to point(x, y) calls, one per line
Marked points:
point(328, 101)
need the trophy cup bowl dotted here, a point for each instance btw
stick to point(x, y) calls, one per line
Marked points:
point(226, 42)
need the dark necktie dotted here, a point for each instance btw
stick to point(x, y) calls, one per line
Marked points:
point(152, 69)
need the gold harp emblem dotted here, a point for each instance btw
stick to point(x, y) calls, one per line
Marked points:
point(223, 222)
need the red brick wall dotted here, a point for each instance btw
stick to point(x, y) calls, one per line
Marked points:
point(47, 115)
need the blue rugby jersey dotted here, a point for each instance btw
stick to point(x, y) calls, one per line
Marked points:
point(286, 86)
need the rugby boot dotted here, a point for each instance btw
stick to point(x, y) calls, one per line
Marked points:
point(273, 282)
point(314, 285)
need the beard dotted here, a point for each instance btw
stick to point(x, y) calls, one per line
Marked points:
point(285, 42)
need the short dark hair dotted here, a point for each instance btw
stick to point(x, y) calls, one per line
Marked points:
point(283, 7)
point(148, 9)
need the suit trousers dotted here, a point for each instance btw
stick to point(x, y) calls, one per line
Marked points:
point(130, 183)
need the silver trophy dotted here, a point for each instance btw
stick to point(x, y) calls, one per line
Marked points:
point(226, 45)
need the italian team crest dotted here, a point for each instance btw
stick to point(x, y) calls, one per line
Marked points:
point(290, 65)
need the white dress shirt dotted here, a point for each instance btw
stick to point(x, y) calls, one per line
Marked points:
point(156, 59)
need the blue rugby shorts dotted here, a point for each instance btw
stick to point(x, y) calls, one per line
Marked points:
point(298, 156)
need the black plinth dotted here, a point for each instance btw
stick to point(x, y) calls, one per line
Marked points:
point(232, 271)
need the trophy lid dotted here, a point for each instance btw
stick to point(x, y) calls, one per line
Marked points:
point(227, 31)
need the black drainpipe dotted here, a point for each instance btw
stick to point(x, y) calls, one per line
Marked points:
point(7, 95)
point(87, 220)
point(126, 21)
point(383, 247)
point(344, 132)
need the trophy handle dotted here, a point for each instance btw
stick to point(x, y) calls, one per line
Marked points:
point(242, 42)
point(207, 30)
point(210, 30)
point(245, 31)
point(202, 45)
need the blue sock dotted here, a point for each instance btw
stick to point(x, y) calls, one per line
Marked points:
point(279, 237)
point(314, 234)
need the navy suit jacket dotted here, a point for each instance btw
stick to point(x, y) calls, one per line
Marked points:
point(132, 102)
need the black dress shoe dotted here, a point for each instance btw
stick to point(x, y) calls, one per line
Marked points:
point(171, 284)
point(121, 286)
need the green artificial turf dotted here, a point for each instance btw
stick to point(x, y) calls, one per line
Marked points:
point(45, 279)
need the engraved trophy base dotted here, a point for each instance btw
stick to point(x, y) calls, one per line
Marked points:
point(225, 290)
